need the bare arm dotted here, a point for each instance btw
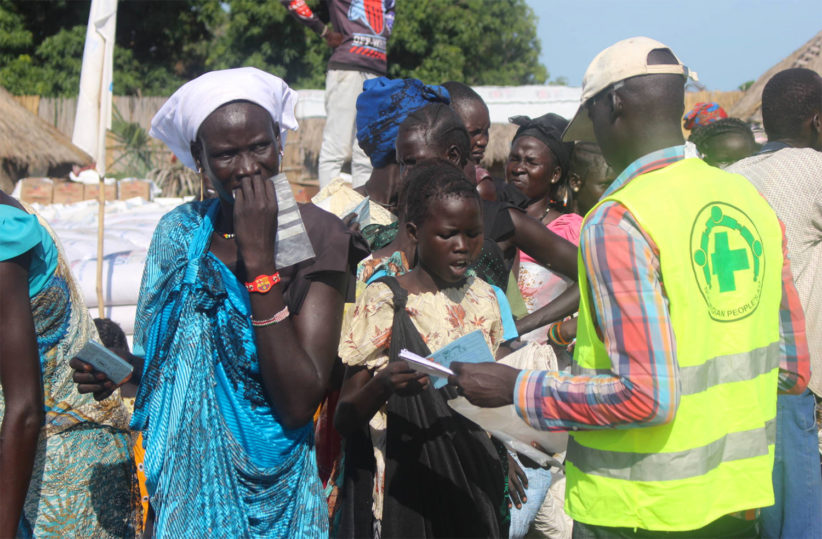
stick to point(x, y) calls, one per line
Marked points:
point(563, 305)
point(22, 390)
point(363, 394)
point(300, 11)
point(555, 253)
point(360, 398)
point(547, 248)
point(296, 355)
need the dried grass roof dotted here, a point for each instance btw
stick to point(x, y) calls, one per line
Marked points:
point(499, 143)
point(25, 139)
point(808, 56)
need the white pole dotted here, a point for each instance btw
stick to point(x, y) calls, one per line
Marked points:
point(94, 108)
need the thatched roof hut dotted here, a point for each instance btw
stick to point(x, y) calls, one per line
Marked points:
point(30, 146)
point(499, 143)
point(808, 56)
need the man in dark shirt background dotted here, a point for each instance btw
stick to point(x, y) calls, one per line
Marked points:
point(359, 38)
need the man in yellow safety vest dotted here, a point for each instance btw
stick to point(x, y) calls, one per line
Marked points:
point(689, 324)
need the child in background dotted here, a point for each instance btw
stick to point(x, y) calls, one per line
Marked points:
point(724, 142)
point(588, 176)
point(473, 112)
point(414, 467)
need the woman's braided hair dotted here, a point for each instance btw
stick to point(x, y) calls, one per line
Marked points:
point(441, 128)
point(702, 134)
point(111, 334)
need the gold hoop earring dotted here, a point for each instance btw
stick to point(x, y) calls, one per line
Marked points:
point(202, 182)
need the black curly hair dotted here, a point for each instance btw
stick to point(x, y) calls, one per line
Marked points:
point(461, 93)
point(433, 180)
point(788, 100)
point(111, 334)
point(702, 134)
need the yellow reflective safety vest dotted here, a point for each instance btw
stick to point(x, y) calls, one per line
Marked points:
point(720, 252)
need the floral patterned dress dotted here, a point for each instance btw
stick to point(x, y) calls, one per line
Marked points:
point(439, 317)
point(538, 285)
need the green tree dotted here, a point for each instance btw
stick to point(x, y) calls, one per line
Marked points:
point(159, 45)
point(162, 44)
point(745, 85)
point(480, 42)
point(264, 35)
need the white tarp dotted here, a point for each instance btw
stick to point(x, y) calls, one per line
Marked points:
point(506, 101)
point(94, 101)
point(503, 101)
point(130, 225)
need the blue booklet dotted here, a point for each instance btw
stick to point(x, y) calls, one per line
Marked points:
point(470, 348)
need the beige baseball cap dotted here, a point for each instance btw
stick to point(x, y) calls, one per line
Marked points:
point(623, 60)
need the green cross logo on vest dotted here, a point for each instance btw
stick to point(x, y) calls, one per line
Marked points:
point(726, 254)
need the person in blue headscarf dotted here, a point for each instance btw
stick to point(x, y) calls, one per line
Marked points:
point(238, 352)
point(381, 107)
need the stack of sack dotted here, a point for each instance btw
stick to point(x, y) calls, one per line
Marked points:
point(129, 225)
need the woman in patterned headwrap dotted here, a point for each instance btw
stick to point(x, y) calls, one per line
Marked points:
point(703, 113)
point(65, 459)
point(381, 107)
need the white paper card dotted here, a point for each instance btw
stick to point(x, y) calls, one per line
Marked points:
point(420, 364)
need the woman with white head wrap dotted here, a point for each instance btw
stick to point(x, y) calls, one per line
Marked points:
point(233, 373)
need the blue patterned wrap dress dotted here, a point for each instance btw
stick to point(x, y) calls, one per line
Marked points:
point(218, 461)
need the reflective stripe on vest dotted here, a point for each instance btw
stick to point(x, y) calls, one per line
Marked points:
point(727, 369)
point(719, 370)
point(671, 466)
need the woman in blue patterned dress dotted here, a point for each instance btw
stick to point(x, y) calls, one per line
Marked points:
point(65, 462)
point(232, 377)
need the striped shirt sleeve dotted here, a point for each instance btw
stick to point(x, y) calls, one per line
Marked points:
point(795, 366)
point(633, 319)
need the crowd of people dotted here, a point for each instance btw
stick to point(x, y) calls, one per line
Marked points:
point(676, 305)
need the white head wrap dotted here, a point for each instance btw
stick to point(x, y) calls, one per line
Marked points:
point(179, 119)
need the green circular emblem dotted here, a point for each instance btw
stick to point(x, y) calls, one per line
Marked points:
point(726, 256)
